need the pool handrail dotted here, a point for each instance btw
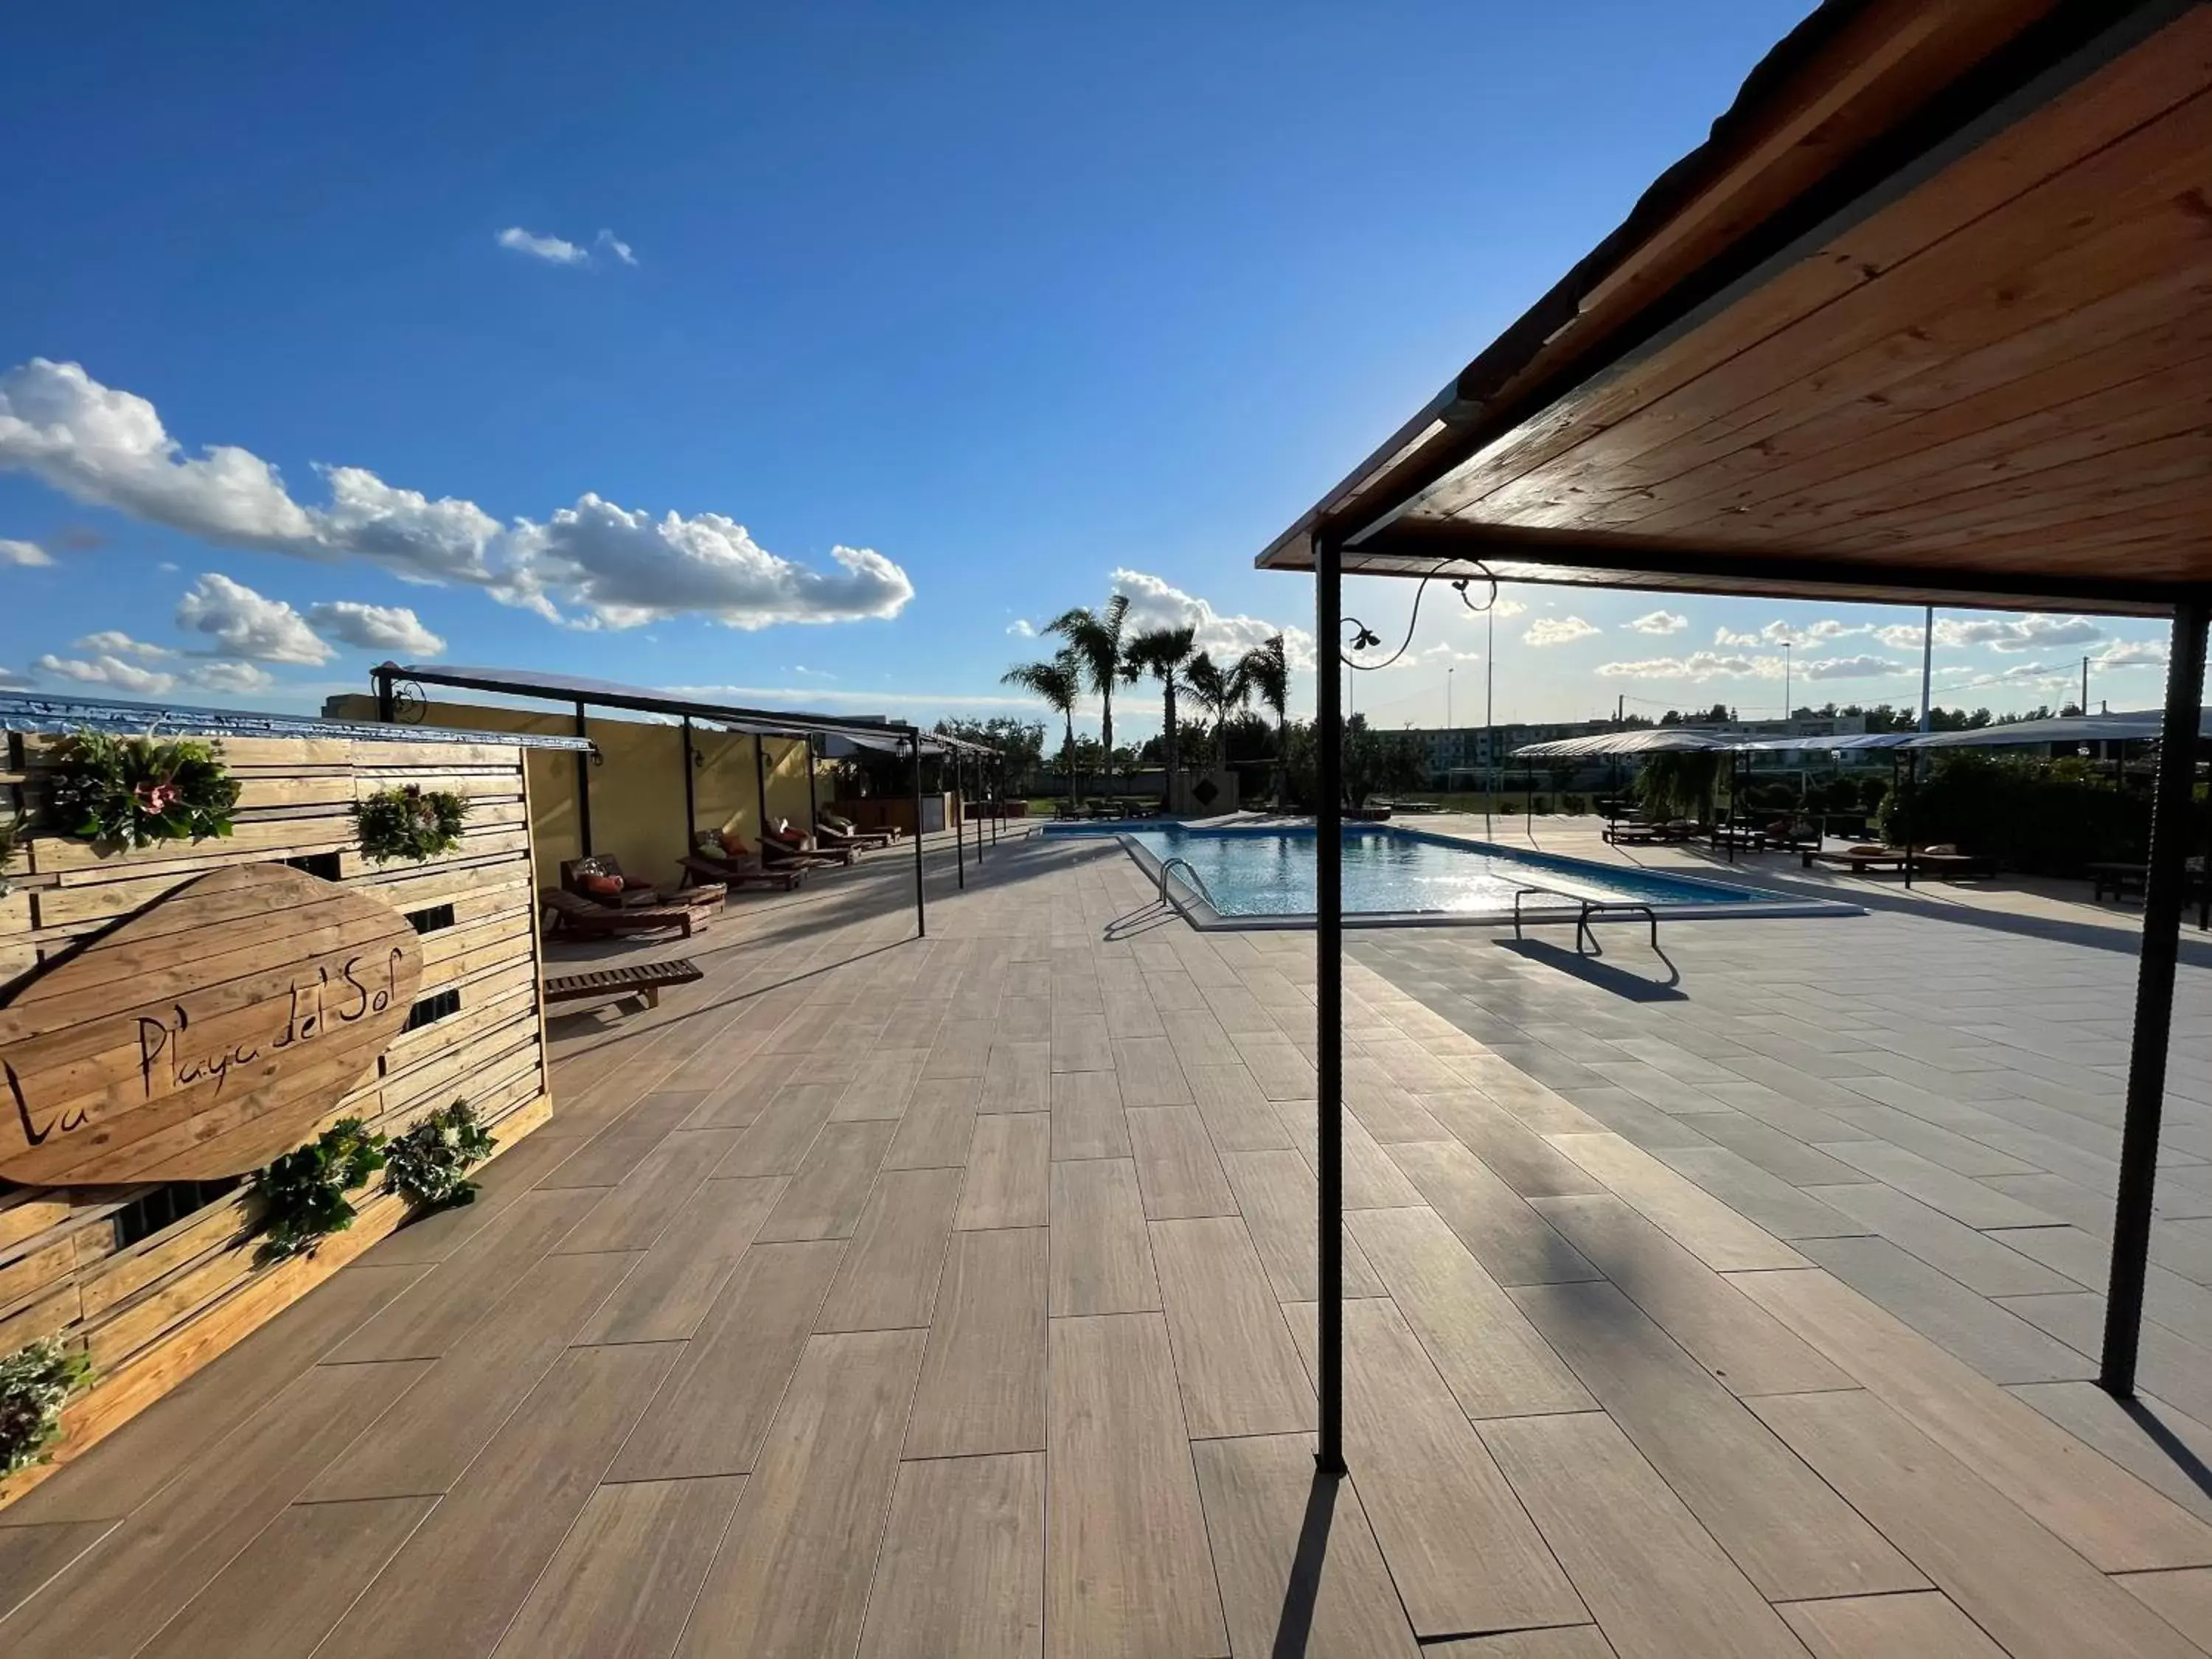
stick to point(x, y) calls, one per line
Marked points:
point(1195, 881)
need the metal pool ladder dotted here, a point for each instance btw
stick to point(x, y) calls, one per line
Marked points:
point(1191, 877)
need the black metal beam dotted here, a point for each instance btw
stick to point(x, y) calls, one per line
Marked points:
point(1417, 547)
point(1328, 998)
point(960, 821)
point(920, 914)
point(760, 783)
point(781, 722)
point(584, 759)
point(691, 791)
point(387, 708)
point(2165, 889)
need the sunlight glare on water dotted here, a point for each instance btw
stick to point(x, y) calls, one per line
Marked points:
point(1271, 873)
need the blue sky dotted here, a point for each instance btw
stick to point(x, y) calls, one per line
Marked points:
point(818, 351)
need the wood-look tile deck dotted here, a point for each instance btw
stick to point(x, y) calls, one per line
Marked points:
point(889, 1297)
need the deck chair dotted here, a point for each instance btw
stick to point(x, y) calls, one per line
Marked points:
point(707, 862)
point(783, 844)
point(578, 917)
point(848, 830)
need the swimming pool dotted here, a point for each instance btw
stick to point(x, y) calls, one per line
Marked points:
point(1264, 875)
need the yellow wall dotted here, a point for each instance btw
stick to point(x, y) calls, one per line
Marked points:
point(637, 789)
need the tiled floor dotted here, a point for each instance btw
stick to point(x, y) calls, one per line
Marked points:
point(955, 1297)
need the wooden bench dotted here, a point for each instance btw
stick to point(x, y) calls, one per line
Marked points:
point(1586, 908)
point(644, 979)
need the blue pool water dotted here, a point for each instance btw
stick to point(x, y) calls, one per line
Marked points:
point(1270, 871)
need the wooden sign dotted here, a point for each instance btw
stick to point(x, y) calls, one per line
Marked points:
point(206, 1035)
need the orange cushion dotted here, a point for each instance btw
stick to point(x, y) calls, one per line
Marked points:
point(735, 845)
point(631, 884)
point(605, 886)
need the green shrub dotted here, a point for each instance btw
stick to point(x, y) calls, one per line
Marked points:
point(36, 1383)
point(428, 1165)
point(2042, 817)
point(303, 1193)
point(135, 792)
point(1679, 784)
point(409, 823)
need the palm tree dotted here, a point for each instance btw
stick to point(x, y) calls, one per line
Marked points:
point(1161, 653)
point(1266, 669)
point(1096, 638)
point(1220, 691)
point(1057, 684)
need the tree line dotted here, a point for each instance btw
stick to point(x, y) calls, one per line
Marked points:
point(1101, 653)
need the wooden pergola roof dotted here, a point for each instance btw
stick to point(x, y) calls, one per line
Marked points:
point(1928, 318)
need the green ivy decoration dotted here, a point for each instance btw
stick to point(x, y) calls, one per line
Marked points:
point(135, 792)
point(36, 1383)
point(303, 1193)
point(409, 822)
point(427, 1165)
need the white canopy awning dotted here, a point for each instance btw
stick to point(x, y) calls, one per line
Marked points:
point(1643, 740)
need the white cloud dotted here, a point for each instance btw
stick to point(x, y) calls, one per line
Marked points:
point(1697, 665)
point(11, 681)
point(2007, 634)
point(1900, 636)
point(109, 448)
point(236, 677)
point(1850, 668)
point(109, 672)
point(376, 628)
point(559, 250)
point(1020, 629)
point(551, 249)
point(2131, 653)
point(1557, 631)
point(627, 568)
point(23, 553)
point(114, 642)
point(1782, 632)
point(1503, 607)
point(873, 701)
point(248, 625)
point(1153, 604)
point(1659, 622)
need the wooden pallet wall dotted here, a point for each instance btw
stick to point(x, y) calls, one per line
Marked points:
point(152, 1311)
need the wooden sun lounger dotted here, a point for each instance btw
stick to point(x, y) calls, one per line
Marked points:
point(580, 918)
point(740, 873)
point(1857, 863)
point(833, 839)
point(645, 979)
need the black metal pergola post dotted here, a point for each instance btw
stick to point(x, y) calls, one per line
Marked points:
point(920, 914)
point(760, 783)
point(960, 816)
point(1329, 995)
point(583, 790)
point(690, 790)
point(2165, 892)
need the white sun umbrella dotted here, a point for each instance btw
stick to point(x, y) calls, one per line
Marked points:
point(2129, 724)
point(1645, 740)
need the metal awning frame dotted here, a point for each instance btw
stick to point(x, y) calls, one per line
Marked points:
point(1361, 528)
point(392, 682)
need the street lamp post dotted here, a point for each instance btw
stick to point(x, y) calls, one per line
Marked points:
point(1785, 684)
